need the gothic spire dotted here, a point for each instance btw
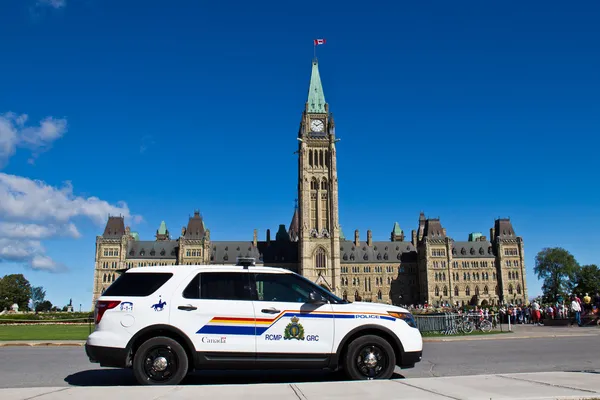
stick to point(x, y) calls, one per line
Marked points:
point(316, 97)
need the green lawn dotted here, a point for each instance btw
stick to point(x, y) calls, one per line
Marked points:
point(474, 333)
point(44, 332)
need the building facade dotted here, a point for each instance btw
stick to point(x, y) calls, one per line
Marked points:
point(427, 268)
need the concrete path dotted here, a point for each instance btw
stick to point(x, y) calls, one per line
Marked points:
point(552, 385)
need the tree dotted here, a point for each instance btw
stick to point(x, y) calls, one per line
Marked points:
point(44, 306)
point(38, 295)
point(557, 267)
point(587, 279)
point(14, 289)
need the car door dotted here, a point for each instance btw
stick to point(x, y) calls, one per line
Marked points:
point(288, 324)
point(216, 312)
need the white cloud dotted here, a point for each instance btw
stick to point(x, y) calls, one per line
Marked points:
point(14, 133)
point(31, 210)
point(26, 199)
point(18, 230)
point(52, 3)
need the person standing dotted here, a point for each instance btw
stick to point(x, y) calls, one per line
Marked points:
point(576, 310)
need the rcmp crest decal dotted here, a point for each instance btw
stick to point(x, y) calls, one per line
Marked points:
point(294, 330)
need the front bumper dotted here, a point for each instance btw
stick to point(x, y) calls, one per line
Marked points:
point(107, 356)
point(410, 358)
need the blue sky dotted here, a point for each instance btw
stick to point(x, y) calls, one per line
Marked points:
point(468, 111)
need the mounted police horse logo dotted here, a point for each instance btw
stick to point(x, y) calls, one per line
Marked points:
point(294, 330)
point(160, 305)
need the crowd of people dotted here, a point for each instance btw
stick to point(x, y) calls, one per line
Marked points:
point(575, 309)
point(578, 308)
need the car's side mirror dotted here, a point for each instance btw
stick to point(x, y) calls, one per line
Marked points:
point(316, 298)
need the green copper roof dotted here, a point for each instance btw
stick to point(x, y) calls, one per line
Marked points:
point(316, 97)
point(397, 230)
point(474, 236)
point(342, 237)
point(135, 235)
point(162, 229)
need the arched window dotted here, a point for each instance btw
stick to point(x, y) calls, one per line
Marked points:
point(104, 280)
point(326, 158)
point(444, 277)
point(456, 290)
point(445, 291)
point(516, 275)
point(518, 289)
point(320, 259)
point(468, 291)
point(510, 289)
point(485, 290)
point(476, 290)
point(379, 296)
point(313, 184)
point(437, 291)
point(356, 296)
point(310, 158)
point(324, 184)
point(321, 161)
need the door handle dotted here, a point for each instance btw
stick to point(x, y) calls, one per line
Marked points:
point(187, 308)
point(271, 310)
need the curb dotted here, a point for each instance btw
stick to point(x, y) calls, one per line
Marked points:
point(502, 337)
point(42, 344)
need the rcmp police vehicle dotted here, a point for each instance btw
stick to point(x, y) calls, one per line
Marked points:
point(164, 322)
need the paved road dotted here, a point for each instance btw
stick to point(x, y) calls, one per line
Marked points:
point(63, 366)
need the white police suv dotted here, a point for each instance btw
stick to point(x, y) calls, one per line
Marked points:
point(166, 321)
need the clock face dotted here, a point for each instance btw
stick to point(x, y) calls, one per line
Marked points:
point(316, 125)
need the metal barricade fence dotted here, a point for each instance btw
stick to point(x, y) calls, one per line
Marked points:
point(447, 323)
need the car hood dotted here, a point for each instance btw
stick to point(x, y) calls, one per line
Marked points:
point(377, 307)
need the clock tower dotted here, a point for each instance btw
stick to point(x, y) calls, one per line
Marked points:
point(319, 236)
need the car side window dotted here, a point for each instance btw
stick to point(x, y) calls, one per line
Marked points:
point(219, 286)
point(281, 287)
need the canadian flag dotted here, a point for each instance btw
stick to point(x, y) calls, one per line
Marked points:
point(319, 41)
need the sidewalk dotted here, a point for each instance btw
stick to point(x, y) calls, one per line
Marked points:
point(552, 385)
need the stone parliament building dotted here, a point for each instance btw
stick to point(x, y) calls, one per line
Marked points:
point(427, 267)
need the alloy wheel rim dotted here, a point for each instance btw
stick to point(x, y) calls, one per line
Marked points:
point(160, 364)
point(371, 361)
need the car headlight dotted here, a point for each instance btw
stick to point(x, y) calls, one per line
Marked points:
point(406, 317)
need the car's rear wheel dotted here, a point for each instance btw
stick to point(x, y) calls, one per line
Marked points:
point(369, 357)
point(160, 361)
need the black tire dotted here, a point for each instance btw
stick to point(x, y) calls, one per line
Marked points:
point(354, 360)
point(160, 361)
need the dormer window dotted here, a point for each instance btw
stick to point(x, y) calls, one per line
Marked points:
point(454, 252)
point(385, 256)
point(365, 257)
point(345, 257)
point(131, 253)
point(490, 250)
point(472, 251)
point(481, 251)
point(163, 252)
point(152, 252)
point(463, 251)
point(379, 256)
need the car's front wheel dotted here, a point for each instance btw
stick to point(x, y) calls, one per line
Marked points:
point(160, 361)
point(370, 357)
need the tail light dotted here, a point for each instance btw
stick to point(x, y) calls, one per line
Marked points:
point(102, 306)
